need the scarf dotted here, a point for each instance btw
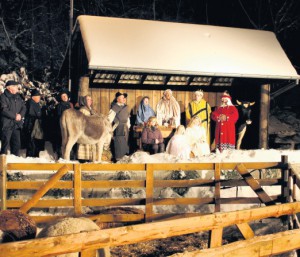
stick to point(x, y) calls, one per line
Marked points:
point(144, 112)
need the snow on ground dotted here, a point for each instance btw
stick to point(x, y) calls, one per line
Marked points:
point(260, 155)
point(233, 156)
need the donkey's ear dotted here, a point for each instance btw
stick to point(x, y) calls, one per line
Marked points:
point(238, 102)
point(252, 103)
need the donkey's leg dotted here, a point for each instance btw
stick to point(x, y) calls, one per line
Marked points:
point(100, 145)
point(68, 148)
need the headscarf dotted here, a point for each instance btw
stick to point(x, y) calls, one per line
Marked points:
point(89, 108)
point(167, 109)
point(144, 112)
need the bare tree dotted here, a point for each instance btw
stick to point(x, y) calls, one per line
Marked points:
point(278, 16)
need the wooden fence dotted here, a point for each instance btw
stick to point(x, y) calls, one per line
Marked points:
point(149, 182)
point(87, 243)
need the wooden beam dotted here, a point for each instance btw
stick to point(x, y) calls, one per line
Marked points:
point(3, 181)
point(77, 190)
point(253, 183)
point(259, 246)
point(88, 253)
point(145, 232)
point(264, 116)
point(217, 187)
point(38, 166)
point(215, 239)
point(246, 230)
point(44, 189)
point(283, 90)
point(149, 192)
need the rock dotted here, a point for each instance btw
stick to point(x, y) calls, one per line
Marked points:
point(16, 226)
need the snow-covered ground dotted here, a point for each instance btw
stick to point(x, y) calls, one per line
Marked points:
point(260, 155)
point(233, 156)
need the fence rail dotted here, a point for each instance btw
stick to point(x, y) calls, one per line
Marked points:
point(90, 241)
point(150, 179)
point(174, 224)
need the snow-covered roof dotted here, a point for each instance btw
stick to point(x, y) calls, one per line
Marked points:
point(119, 44)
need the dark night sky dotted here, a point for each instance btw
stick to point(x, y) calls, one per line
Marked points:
point(22, 19)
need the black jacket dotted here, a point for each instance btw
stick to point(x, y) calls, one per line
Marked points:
point(34, 111)
point(10, 105)
point(61, 107)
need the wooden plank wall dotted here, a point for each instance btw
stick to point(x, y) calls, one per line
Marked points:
point(103, 97)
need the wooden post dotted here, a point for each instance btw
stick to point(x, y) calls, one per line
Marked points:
point(217, 187)
point(77, 190)
point(284, 179)
point(264, 115)
point(44, 189)
point(285, 186)
point(3, 179)
point(246, 230)
point(294, 185)
point(216, 236)
point(149, 192)
point(88, 253)
point(83, 86)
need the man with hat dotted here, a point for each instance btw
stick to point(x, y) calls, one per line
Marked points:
point(199, 107)
point(119, 114)
point(225, 117)
point(33, 130)
point(12, 113)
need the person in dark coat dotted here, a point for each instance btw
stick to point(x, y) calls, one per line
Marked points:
point(152, 139)
point(119, 113)
point(33, 128)
point(63, 105)
point(13, 111)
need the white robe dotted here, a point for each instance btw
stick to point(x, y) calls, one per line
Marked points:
point(168, 111)
point(196, 137)
point(178, 146)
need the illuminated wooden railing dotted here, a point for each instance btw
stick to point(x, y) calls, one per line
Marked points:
point(149, 181)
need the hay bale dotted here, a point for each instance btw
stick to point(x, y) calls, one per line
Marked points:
point(70, 226)
point(16, 226)
point(115, 211)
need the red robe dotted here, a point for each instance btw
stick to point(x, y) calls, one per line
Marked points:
point(225, 130)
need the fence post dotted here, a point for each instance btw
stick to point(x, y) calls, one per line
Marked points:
point(149, 192)
point(3, 180)
point(285, 186)
point(217, 187)
point(77, 190)
point(284, 179)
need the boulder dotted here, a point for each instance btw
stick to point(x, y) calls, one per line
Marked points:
point(16, 226)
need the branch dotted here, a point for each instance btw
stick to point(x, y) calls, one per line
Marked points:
point(123, 7)
point(4, 27)
point(153, 8)
point(251, 21)
point(178, 9)
point(21, 33)
point(206, 11)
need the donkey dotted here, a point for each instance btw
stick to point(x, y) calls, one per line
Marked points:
point(79, 128)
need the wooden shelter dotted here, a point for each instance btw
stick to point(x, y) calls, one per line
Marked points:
point(143, 57)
